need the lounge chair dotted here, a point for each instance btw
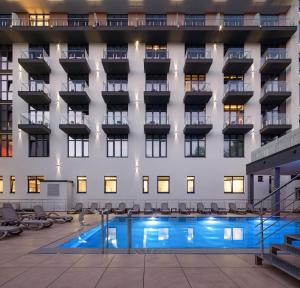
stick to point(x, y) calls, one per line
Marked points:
point(216, 210)
point(201, 209)
point(94, 208)
point(42, 215)
point(251, 209)
point(10, 230)
point(164, 208)
point(77, 209)
point(233, 209)
point(182, 209)
point(108, 207)
point(10, 217)
point(136, 209)
point(121, 209)
point(148, 208)
point(7, 205)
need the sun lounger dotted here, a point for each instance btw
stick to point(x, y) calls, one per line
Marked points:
point(136, 209)
point(121, 209)
point(10, 230)
point(201, 208)
point(148, 208)
point(77, 209)
point(94, 208)
point(182, 209)
point(233, 209)
point(42, 215)
point(252, 209)
point(164, 208)
point(108, 207)
point(216, 210)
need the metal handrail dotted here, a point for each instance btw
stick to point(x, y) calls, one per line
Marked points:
point(275, 86)
point(74, 54)
point(237, 120)
point(197, 86)
point(237, 53)
point(156, 54)
point(35, 86)
point(156, 86)
point(116, 86)
point(27, 118)
point(115, 53)
point(275, 53)
point(197, 53)
point(189, 120)
point(75, 118)
point(115, 120)
point(237, 86)
point(160, 120)
point(276, 119)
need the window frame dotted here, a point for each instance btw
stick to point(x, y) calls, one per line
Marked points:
point(232, 180)
point(12, 182)
point(156, 138)
point(84, 179)
point(189, 139)
point(187, 184)
point(44, 139)
point(105, 180)
point(122, 139)
point(1, 185)
point(6, 81)
point(37, 184)
point(169, 186)
point(145, 180)
point(8, 140)
point(230, 139)
point(78, 138)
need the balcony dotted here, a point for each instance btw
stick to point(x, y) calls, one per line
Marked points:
point(35, 61)
point(275, 124)
point(237, 61)
point(156, 62)
point(156, 92)
point(35, 93)
point(157, 125)
point(33, 124)
point(197, 125)
point(274, 93)
point(198, 93)
point(236, 125)
point(115, 125)
point(274, 61)
point(197, 62)
point(76, 124)
point(75, 61)
point(237, 92)
point(116, 92)
point(75, 92)
point(115, 62)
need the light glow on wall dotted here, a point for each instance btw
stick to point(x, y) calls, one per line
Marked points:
point(137, 165)
point(137, 45)
point(58, 166)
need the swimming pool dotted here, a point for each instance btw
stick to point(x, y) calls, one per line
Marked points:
point(183, 233)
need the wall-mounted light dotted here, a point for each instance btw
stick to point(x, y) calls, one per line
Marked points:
point(137, 44)
point(220, 27)
point(137, 165)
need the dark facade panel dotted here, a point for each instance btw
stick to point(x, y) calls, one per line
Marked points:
point(157, 66)
point(274, 98)
point(237, 98)
point(116, 97)
point(155, 97)
point(237, 66)
point(197, 66)
point(75, 97)
point(79, 129)
point(75, 66)
point(34, 128)
point(157, 129)
point(237, 129)
point(35, 97)
point(197, 97)
point(116, 129)
point(34, 66)
point(274, 66)
point(116, 66)
point(275, 129)
point(201, 129)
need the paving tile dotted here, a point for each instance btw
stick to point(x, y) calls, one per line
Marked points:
point(7, 257)
point(78, 277)
point(29, 260)
point(194, 260)
point(228, 260)
point(281, 277)
point(121, 278)
point(94, 260)
point(36, 277)
point(60, 260)
point(165, 278)
point(161, 260)
point(126, 261)
point(8, 273)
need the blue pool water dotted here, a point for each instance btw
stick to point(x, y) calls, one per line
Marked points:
point(189, 232)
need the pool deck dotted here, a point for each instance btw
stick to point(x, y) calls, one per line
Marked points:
point(20, 268)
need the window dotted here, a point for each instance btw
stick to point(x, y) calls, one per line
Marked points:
point(6, 117)
point(78, 146)
point(39, 19)
point(156, 146)
point(77, 114)
point(81, 184)
point(156, 20)
point(163, 184)
point(39, 114)
point(269, 20)
point(195, 114)
point(190, 184)
point(5, 57)
point(110, 184)
point(194, 20)
point(234, 184)
point(117, 20)
point(1, 184)
point(117, 146)
point(156, 51)
point(156, 114)
point(234, 114)
point(260, 178)
point(5, 20)
point(233, 20)
point(233, 146)
point(157, 83)
point(38, 145)
point(116, 51)
point(76, 20)
point(5, 86)
point(195, 146)
point(117, 114)
point(34, 184)
point(5, 145)
point(12, 184)
point(194, 83)
point(145, 184)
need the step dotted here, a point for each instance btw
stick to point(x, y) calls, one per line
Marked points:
point(292, 237)
point(285, 247)
point(283, 265)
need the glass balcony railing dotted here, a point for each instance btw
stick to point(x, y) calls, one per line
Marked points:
point(275, 119)
point(75, 86)
point(157, 119)
point(197, 86)
point(237, 120)
point(233, 21)
point(115, 54)
point(75, 117)
point(237, 86)
point(34, 54)
point(155, 21)
point(74, 54)
point(156, 54)
point(237, 53)
point(35, 119)
point(157, 86)
point(275, 86)
point(115, 120)
point(116, 86)
point(275, 53)
point(197, 54)
point(197, 120)
point(35, 86)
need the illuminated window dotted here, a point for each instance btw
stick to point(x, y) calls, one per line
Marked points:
point(34, 184)
point(6, 145)
point(110, 184)
point(39, 19)
point(234, 184)
point(190, 183)
point(12, 184)
point(163, 184)
point(145, 184)
point(81, 184)
point(1, 184)
point(194, 82)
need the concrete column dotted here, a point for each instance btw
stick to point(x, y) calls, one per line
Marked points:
point(276, 196)
point(250, 182)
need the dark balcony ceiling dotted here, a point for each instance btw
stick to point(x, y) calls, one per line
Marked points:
point(237, 98)
point(116, 66)
point(274, 98)
point(111, 97)
point(157, 66)
point(237, 129)
point(275, 129)
point(77, 129)
point(39, 129)
point(153, 97)
point(75, 66)
point(237, 66)
point(34, 66)
point(156, 129)
point(116, 129)
point(35, 97)
point(147, 6)
point(274, 66)
point(75, 97)
point(197, 66)
point(195, 129)
point(197, 97)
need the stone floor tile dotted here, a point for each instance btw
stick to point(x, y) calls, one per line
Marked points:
point(161, 260)
point(194, 260)
point(94, 260)
point(126, 261)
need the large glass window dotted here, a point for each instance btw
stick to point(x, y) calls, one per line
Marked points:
point(77, 20)
point(5, 57)
point(194, 83)
point(156, 114)
point(117, 20)
point(1, 184)
point(194, 20)
point(156, 83)
point(156, 20)
point(6, 117)
point(117, 114)
point(234, 114)
point(39, 19)
point(145, 184)
point(190, 184)
point(156, 146)
point(78, 146)
point(34, 184)
point(163, 184)
point(12, 184)
point(233, 20)
point(233, 184)
point(110, 184)
point(6, 87)
point(195, 146)
point(77, 114)
point(117, 146)
point(195, 114)
point(5, 20)
point(39, 114)
point(38, 145)
point(269, 20)
point(6, 145)
point(233, 146)
point(81, 184)
point(156, 51)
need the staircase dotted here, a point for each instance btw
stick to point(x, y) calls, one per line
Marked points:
point(286, 256)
